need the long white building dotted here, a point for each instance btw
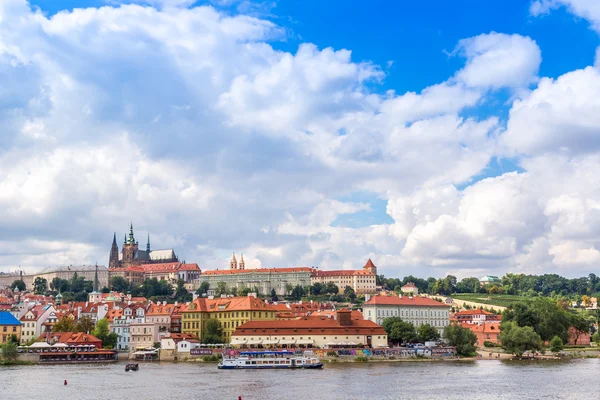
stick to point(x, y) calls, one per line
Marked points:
point(416, 310)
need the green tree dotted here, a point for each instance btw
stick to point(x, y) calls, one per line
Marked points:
point(102, 332)
point(65, 324)
point(244, 292)
point(596, 338)
point(461, 338)
point(203, 289)
point(119, 284)
point(212, 332)
point(399, 331)
point(18, 284)
point(350, 294)
point(60, 285)
point(331, 288)
point(221, 288)
point(40, 285)
point(297, 292)
point(556, 344)
point(288, 288)
point(13, 338)
point(10, 350)
point(181, 293)
point(580, 323)
point(274, 295)
point(517, 339)
point(427, 333)
point(85, 324)
point(67, 297)
point(316, 289)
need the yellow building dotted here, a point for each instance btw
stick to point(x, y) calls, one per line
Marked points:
point(230, 312)
point(9, 326)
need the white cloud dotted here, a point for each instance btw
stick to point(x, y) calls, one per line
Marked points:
point(188, 123)
point(559, 116)
point(497, 60)
point(588, 9)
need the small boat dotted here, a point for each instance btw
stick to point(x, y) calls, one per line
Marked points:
point(132, 367)
point(270, 360)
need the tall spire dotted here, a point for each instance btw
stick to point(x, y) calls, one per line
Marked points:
point(114, 243)
point(125, 239)
point(148, 244)
point(131, 238)
point(233, 263)
point(96, 279)
point(242, 264)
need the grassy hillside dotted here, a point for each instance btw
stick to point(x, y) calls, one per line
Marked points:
point(502, 300)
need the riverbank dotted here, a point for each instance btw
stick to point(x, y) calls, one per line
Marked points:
point(10, 363)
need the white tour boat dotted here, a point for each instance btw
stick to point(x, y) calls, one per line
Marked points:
point(270, 360)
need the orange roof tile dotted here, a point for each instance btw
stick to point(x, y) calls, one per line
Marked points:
point(307, 326)
point(257, 270)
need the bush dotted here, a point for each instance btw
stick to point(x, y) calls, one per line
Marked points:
point(489, 344)
point(361, 359)
point(213, 358)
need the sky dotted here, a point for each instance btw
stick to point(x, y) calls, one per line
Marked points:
point(433, 137)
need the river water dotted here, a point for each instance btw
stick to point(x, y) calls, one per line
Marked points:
point(485, 379)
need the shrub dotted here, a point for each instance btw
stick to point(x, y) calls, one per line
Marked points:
point(489, 344)
point(212, 358)
point(361, 359)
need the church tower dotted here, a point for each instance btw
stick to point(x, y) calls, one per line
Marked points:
point(130, 248)
point(113, 259)
point(369, 266)
point(242, 264)
point(233, 263)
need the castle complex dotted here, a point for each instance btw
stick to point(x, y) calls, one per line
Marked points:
point(131, 254)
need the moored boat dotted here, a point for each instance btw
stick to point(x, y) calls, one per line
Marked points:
point(270, 360)
point(131, 367)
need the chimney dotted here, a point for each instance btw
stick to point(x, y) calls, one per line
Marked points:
point(400, 295)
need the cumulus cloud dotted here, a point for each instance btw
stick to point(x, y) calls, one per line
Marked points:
point(187, 122)
point(497, 60)
point(559, 116)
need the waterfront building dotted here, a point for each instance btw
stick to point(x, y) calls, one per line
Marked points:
point(131, 254)
point(142, 334)
point(311, 332)
point(263, 280)
point(9, 326)
point(414, 309)
point(71, 339)
point(484, 331)
point(121, 323)
point(230, 312)
point(160, 315)
point(32, 321)
point(362, 281)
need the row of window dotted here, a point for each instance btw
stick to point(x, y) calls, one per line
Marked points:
point(405, 313)
point(5, 329)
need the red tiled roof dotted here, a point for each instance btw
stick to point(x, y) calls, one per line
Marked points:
point(159, 309)
point(342, 272)
point(248, 303)
point(405, 301)
point(409, 285)
point(257, 270)
point(308, 326)
point(485, 327)
point(474, 312)
point(189, 267)
point(369, 264)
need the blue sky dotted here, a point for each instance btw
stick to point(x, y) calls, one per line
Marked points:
point(232, 125)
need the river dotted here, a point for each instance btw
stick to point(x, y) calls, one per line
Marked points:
point(486, 379)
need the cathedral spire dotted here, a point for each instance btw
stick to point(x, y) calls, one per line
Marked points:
point(148, 244)
point(242, 264)
point(114, 243)
point(131, 237)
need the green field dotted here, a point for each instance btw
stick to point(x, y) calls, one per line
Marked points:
point(502, 300)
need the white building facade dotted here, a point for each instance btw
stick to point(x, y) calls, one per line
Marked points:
point(416, 310)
